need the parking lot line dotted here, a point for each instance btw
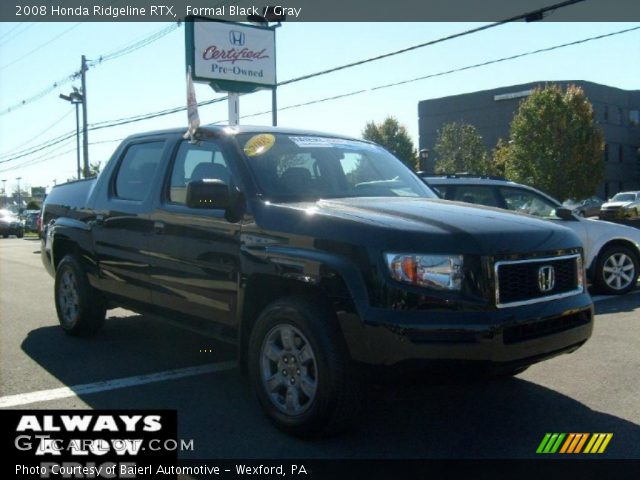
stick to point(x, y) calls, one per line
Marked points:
point(87, 388)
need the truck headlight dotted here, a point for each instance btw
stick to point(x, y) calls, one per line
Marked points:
point(443, 272)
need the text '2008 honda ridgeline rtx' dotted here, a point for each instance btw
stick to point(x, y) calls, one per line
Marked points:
point(315, 254)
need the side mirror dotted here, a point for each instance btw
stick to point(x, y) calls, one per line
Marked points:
point(564, 213)
point(208, 193)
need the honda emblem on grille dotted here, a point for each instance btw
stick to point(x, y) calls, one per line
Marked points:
point(546, 278)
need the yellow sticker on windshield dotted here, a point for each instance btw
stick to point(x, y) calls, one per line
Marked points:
point(259, 144)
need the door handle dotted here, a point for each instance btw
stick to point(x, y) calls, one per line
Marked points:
point(158, 228)
point(99, 219)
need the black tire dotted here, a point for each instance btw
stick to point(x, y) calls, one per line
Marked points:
point(610, 281)
point(4, 235)
point(334, 402)
point(81, 309)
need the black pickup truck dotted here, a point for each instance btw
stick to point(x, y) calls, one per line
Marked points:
point(315, 254)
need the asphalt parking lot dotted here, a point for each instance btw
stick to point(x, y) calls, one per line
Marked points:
point(138, 362)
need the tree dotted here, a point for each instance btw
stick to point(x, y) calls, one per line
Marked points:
point(555, 144)
point(94, 168)
point(499, 156)
point(395, 138)
point(460, 148)
point(33, 205)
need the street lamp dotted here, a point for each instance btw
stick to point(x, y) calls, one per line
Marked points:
point(75, 98)
point(269, 15)
point(424, 159)
point(19, 196)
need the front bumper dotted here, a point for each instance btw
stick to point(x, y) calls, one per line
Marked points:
point(510, 336)
point(615, 213)
point(10, 229)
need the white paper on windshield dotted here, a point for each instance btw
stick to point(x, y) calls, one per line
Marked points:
point(313, 142)
point(324, 142)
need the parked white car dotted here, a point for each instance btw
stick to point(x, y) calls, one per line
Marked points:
point(612, 251)
point(622, 205)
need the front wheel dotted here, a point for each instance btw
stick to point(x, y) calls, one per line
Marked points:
point(81, 310)
point(301, 370)
point(616, 270)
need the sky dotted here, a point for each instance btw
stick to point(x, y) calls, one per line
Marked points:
point(34, 55)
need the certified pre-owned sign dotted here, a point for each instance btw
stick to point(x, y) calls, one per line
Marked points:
point(233, 52)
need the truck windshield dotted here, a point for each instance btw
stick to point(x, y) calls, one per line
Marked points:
point(304, 167)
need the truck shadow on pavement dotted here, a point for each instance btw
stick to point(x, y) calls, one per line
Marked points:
point(430, 419)
point(619, 304)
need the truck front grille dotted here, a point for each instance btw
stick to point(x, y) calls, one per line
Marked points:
point(520, 282)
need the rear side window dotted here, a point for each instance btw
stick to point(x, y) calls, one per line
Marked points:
point(478, 194)
point(137, 170)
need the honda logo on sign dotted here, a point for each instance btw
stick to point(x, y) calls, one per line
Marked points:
point(546, 278)
point(236, 38)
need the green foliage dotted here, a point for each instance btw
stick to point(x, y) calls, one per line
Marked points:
point(460, 148)
point(555, 144)
point(499, 155)
point(33, 205)
point(94, 168)
point(395, 138)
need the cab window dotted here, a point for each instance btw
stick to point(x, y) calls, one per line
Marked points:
point(196, 162)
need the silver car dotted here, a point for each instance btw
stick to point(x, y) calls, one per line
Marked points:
point(622, 205)
point(612, 251)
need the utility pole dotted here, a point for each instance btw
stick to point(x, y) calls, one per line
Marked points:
point(85, 139)
point(274, 106)
point(4, 192)
point(19, 196)
point(75, 98)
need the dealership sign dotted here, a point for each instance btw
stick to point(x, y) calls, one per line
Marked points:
point(231, 57)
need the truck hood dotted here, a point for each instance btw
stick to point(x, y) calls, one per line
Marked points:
point(417, 224)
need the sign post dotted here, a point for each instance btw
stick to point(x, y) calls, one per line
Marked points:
point(231, 57)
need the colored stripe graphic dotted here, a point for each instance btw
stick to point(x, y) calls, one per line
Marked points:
point(567, 443)
point(550, 443)
point(543, 443)
point(574, 443)
point(581, 443)
point(598, 443)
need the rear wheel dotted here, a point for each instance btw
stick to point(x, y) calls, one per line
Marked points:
point(81, 310)
point(301, 370)
point(616, 270)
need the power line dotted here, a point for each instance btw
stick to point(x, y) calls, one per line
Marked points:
point(39, 47)
point(101, 59)
point(8, 32)
point(48, 156)
point(103, 125)
point(379, 87)
point(139, 44)
point(135, 46)
point(26, 26)
point(521, 16)
point(37, 135)
point(536, 14)
point(127, 120)
point(447, 72)
point(108, 124)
